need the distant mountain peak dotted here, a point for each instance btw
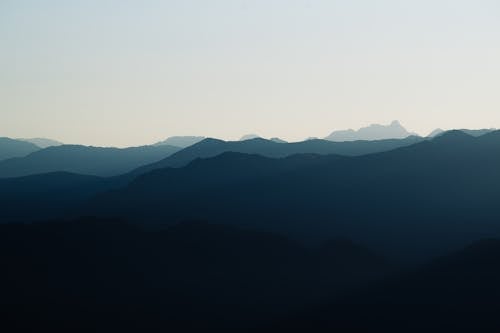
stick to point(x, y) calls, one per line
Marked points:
point(373, 132)
point(435, 133)
point(453, 135)
point(278, 140)
point(43, 142)
point(249, 137)
point(181, 141)
point(10, 148)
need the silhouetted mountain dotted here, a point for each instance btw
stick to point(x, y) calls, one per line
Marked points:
point(475, 133)
point(441, 192)
point(43, 143)
point(84, 160)
point(181, 141)
point(457, 293)
point(107, 275)
point(478, 132)
point(10, 148)
point(250, 137)
point(213, 147)
point(278, 140)
point(284, 254)
point(436, 132)
point(45, 196)
point(372, 132)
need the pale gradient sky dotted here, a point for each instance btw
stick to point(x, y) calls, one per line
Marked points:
point(133, 72)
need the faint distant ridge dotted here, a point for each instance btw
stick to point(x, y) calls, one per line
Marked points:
point(96, 161)
point(43, 142)
point(10, 148)
point(436, 132)
point(478, 132)
point(250, 137)
point(181, 141)
point(278, 140)
point(373, 132)
point(472, 132)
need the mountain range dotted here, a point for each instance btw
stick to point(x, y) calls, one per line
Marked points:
point(43, 142)
point(390, 200)
point(271, 148)
point(84, 160)
point(10, 148)
point(395, 235)
point(181, 141)
point(373, 132)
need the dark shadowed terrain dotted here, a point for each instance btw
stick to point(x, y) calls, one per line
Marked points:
point(257, 235)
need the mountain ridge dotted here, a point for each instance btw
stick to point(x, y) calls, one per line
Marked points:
point(372, 132)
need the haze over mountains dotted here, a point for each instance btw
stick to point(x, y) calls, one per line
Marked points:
point(373, 132)
point(405, 193)
point(254, 235)
point(84, 160)
point(181, 141)
point(10, 148)
point(94, 160)
point(99, 161)
point(270, 148)
point(43, 142)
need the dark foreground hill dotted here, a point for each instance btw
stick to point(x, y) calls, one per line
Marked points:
point(443, 193)
point(94, 161)
point(98, 275)
point(456, 293)
point(106, 275)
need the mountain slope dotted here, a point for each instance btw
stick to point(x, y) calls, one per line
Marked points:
point(43, 142)
point(458, 292)
point(84, 160)
point(373, 132)
point(442, 192)
point(97, 272)
point(10, 148)
point(181, 141)
point(45, 196)
point(268, 148)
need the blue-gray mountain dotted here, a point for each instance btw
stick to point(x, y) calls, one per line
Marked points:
point(272, 148)
point(442, 192)
point(373, 132)
point(181, 141)
point(84, 160)
point(43, 142)
point(277, 249)
point(10, 148)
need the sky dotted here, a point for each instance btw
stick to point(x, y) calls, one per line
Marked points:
point(125, 73)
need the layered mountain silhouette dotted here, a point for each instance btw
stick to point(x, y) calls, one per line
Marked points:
point(270, 148)
point(393, 201)
point(373, 132)
point(84, 160)
point(471, 132)
point(249, 137)
point(396, 235)
point(181, 141)
point(43, 142)
point(10, 148)
point(435, 133)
